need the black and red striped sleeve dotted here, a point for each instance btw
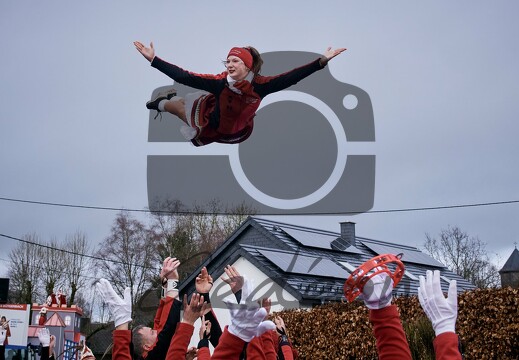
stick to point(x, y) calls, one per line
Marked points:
point(264, 85)
point(208, 82)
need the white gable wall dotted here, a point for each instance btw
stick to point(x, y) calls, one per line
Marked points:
point(265, 287)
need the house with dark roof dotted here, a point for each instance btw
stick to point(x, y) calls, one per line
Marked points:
point(300, 267)
point(510, 271)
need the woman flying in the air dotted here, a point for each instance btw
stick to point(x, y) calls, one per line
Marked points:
point(224, 110)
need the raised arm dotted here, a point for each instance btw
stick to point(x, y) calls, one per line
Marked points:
point(168, 319)
point(121, 309)
point(234, 280)
point(203, 285)
point(44, 337)
point(387, 327)
point(264, 85)
point(247, 321)
point(206, 82)
point(192, 311)
point(327, 55)
point(442, 312)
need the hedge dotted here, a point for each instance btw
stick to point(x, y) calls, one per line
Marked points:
point(488, 326)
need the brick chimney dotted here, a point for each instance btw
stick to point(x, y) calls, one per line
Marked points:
point(348, 232)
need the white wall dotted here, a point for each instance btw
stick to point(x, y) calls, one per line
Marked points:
point(265, 287)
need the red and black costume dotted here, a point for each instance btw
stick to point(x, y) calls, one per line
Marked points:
point(226, 114)
point(122, 345)
point(392, 343)
point(165, 322)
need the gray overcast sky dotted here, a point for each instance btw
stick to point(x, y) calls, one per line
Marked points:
point(441, 77)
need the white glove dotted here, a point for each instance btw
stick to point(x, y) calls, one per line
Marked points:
point(3, 334)
point(377, 292)
point(121, 309)
point(247, 317)
point(440, 310)
point(44, 336)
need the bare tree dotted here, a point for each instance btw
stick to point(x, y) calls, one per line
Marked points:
point(175, 235)
point(236, 215)
point(76, 264)
point(84, 304)
point(52, 265)
point(465, 255)
point(192, 235)
point(25, 270)
point(128, 254)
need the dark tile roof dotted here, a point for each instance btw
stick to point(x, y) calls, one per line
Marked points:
point(300, 267)
point(512, 264)
point(100, 338)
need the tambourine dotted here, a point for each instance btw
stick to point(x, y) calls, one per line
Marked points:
point(358, 278)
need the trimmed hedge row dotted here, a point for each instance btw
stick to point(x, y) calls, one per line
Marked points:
point(488, 326)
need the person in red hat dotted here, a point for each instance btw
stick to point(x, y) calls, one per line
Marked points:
point(224, 109)
point(43, 316)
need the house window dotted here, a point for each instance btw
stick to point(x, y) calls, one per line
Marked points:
point(68, 320)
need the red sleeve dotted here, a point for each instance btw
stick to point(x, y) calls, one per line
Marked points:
point(255, 350)
point(203, 354)
point(178, 346)
point(269, 345)
point(162, 313)
point(391, 340)
point(122, 342)
point(229, 348)
point(446, 346)
point(287, 352)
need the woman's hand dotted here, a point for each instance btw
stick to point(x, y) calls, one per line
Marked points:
point(330, 54)
point(147, 52)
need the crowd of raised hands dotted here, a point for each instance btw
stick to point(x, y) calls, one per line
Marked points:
point(250, 334)
point(254, 333)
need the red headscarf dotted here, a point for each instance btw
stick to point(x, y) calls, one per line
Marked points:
point(243, 54)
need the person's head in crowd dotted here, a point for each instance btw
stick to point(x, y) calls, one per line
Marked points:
point(143, 338)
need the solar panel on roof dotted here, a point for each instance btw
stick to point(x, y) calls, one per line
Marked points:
point(348, 266)
point(308, 265)
point(411, 256)
point(312, 239)
point(352, 249)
